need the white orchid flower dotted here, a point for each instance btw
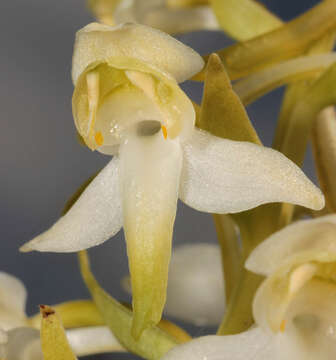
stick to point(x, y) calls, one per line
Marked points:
point(297, 301)
point(127, 103)
point(295, 307)
point(166, 15)
point(195, 291)
point(20, 341)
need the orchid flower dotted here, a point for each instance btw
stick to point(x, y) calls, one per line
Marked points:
point(127, 103)
point(20, 340)
point(166, 15)
point(295, 306)
point(195, 291)
point(297, 300)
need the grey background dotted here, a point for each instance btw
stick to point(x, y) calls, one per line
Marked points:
point(41, 162)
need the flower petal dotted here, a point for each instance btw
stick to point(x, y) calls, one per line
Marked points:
point(93, 219)
point(93, 340)
point(224, 176)
point(315, 236)
point(195, 288)
point(134, 41)
point(195, 291)
point(150, 173)
point(12, 302)
point(253, 344)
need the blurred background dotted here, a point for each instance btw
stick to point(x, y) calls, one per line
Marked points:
point(42, 164)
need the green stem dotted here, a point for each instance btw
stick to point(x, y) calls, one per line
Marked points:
point(238, 316)
point(255, 225)
point(230, 251)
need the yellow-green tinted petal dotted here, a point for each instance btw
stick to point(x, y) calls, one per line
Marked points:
point(97, 43)
point(153, 343)
point(222, 113)
point(324, 148)
point(149, 175)
point(54, 342)
point(244, 19)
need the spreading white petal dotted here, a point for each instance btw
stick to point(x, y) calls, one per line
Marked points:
point(94, 218)
point(150, 169)
point(253, 344)
point(13, 297)
point(196, 291)
point(224, 176)
point(93, 340)
point(317, 236)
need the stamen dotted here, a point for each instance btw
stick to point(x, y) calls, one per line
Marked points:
point(99, 139)
point(283, 326)
point(164, 132)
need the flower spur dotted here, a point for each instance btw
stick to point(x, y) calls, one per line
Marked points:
point(127, 103)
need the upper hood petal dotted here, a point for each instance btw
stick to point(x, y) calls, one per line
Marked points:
point(224, 176)
point(94, 218)
point(317, 236)
point(97, 43)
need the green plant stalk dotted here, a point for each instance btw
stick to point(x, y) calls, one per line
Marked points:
point(230, 250)
point(288, 41)
point(291, 121)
